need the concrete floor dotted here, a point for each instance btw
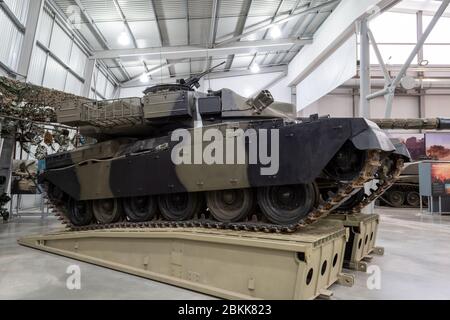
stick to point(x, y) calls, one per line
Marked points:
point(416, 265)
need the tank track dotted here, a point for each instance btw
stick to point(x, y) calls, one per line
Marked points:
point(379, 191)
point(346, 190)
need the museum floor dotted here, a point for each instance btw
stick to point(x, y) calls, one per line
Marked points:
point(415, 265)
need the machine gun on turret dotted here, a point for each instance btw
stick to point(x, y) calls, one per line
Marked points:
point(194, 81)
point(182, 84)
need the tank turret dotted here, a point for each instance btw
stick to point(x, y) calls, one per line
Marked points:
point(164, 108)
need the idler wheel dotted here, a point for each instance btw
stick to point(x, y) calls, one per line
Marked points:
point(347, 163)
point(230, 205)
point(107, 210)
point(287, 204)
point(413, 199)
point(80, 212)
point(180, 206)
point(140, 209)
point(396, 198)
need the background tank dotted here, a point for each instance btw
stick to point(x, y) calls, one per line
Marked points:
point(405, 191)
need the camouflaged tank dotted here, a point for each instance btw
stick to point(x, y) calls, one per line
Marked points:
point(280, 174)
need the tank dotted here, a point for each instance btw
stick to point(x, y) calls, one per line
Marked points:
point(24, 173)
point(405, 192)
point(180, 157)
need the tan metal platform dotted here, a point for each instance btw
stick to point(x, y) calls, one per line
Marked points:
point(227, 264)
point(363, 230)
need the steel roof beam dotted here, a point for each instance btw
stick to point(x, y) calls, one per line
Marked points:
point(212, 30)
point(234, 72)
point(125, 22)
point(99, 36)
point(293, 15)
point(180, 52)
point(160, 37)
point(337, 28)
point(280, 5)
point(239, 30)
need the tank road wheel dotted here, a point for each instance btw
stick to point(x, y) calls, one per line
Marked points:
point(413, 199)
point(180, 206)
point(80, 213)
point(140, 209)
point(287, 204)
point(106, 210)
point(396, 198)
point(230, 205)
point(347, 163)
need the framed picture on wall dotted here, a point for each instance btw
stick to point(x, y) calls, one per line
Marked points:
point(438, 145)
point(415, 142)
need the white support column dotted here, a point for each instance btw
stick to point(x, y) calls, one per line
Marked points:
point(364, 106)
point(35, 11)
point(88, 73)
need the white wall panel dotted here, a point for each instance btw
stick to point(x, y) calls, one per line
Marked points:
point(281, 92)
point(10, 42)
point(333, 105)
point(109, 90)
point(19, 8)
point(78, 60)
point(334, 71)
point(73, 84)
point(132, 92)
point(45, 28)
point(99, 82)
point(243, 85)
point(37, 66)
point(55, 75)
point(437, 106)
point(60, 43)
point(338, 26)
point(403, 107)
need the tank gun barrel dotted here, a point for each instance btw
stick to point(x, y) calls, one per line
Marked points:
point(414, 124)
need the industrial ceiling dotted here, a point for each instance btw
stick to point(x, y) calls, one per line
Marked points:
point(166, 39)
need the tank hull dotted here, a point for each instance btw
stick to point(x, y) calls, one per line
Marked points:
point(146, 167)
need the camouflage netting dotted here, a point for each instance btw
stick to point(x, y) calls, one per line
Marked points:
point(30, 102)
point(28, 112)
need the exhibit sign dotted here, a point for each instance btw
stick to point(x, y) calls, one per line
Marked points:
point(440, 179)
point(434, 178)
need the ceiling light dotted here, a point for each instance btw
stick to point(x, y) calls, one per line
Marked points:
point(144, 78)
point(275, 32)
point(123, 39)
point(255, 68)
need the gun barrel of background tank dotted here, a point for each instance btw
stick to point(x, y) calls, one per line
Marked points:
point(414, 124)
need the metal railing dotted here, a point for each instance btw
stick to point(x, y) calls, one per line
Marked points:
point(108, 113)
